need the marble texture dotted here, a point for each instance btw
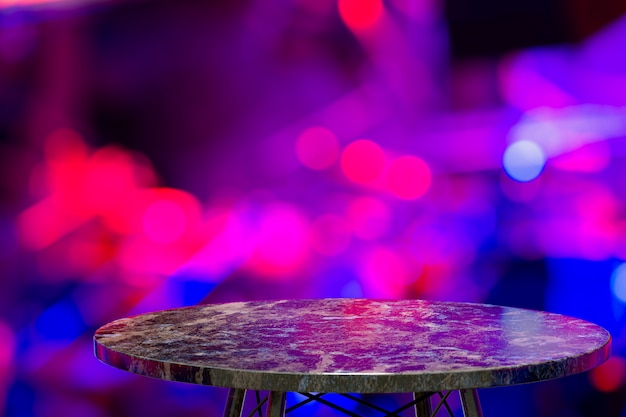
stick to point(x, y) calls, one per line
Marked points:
point(352, 345)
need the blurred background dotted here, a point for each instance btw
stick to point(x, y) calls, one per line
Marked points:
point(164, 153)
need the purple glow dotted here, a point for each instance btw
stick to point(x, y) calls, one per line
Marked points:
point(281, 241)
point(330, 235)
point(165, 154)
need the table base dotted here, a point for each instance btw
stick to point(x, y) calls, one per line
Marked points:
point(275, 404)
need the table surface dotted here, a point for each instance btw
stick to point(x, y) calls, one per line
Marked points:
point(352, 345)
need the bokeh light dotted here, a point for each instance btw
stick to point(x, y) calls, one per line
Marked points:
point(360, 15)
point(282, 244)
point(330, 235)
point(609, 376)
point(109, 179)
point(618, 282)
point(524, 160)
point(409, 177)
point(7, 353)
point(317, 148)
point(61, 322)
point(363, 161)
point(7, 361)
point(593, 157)
point(385, 273)
point(32, 3)
point(64, 148)
point(369, 217)
point(164, 221)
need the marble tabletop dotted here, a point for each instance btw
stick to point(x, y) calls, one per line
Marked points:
point(352, 345)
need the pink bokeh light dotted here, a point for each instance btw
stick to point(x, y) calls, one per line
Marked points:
point(360, 15)
point(385, 273)
point(164, 221)
point(8, 350)
point(281, 242)
point(363, 161)
point(409, 177)
point(330, 235)
point(369, 217)
point(317, 148)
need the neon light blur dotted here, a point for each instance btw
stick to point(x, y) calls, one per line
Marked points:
point(369, 218)
point(281, 241)
point(81, 187)
point(618, 282)
point(7, 349)
point(164, 221)
point(524, 160)
point(317, 148)
point(330, 235)
point(610, 376)
point(385, 273)
point(560, 130)
point(360, 15)
point(363, 161)
point(409, 177)
point(261, 113)
point(224, 249)
point(526, 87)
point(593, 157)
point(109, 179)
point(7, 359)
point(34, 3)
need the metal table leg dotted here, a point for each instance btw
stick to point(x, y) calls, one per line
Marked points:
point(276, 404)
point(234, 402)
point(471, 403)
point(422, 408)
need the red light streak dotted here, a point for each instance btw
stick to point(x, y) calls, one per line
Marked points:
point(46, 222)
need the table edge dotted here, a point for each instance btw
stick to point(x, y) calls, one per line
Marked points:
point(431, 381)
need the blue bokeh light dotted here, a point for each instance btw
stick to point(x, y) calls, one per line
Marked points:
point(62, 321)
point(524, 160)
point(618, 282)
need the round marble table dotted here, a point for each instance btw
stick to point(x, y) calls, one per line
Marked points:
point(352, 346)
